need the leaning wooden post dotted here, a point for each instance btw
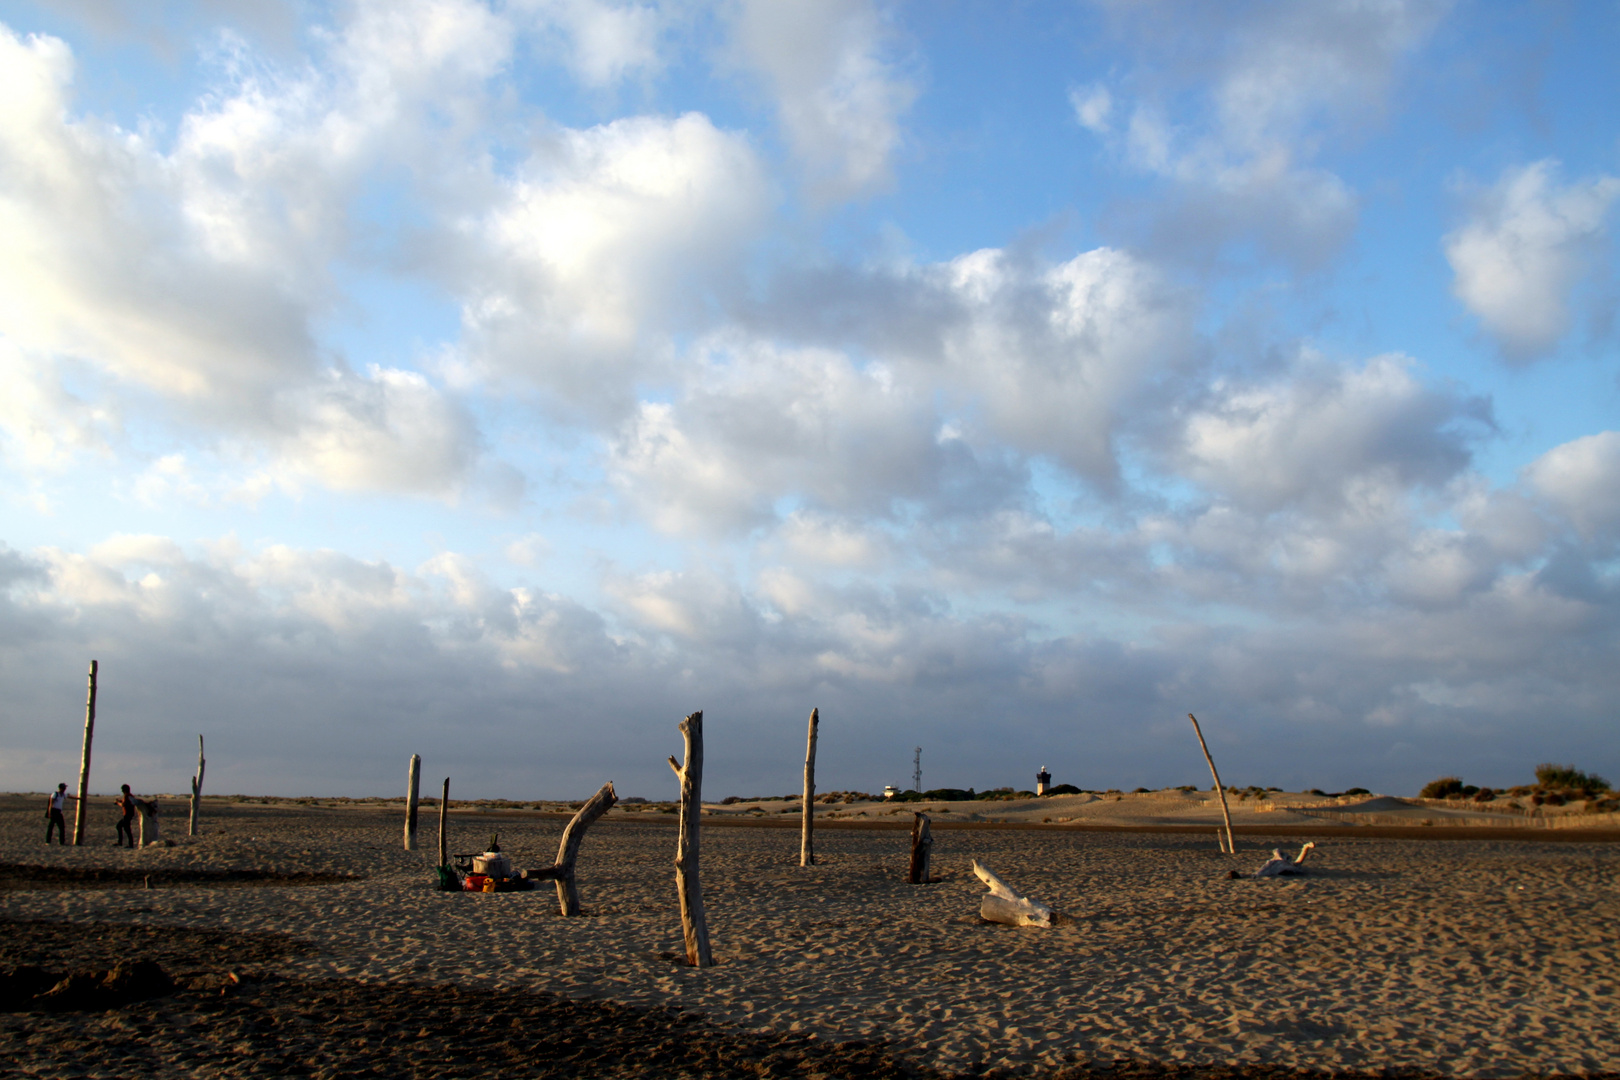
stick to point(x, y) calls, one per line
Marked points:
point(411, 796)
point(444, 811)
point(1231, 849)
point(196, 790)
point(807, 840)
point(79, 814)
point(694, 927)
point(922, 847)
point(568, 849)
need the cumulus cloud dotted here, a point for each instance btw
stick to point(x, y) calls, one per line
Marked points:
point(197, 273)
point(1322, 430)
point(605, 42)
point(1521, 257)
point(840, 95)
point(1241, 148)
point(1581, 481)
point(595, 235)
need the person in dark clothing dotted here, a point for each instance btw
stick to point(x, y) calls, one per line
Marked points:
point(53, 814)
point(126, 803)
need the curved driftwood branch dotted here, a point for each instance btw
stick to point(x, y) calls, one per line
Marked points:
point(568, 849)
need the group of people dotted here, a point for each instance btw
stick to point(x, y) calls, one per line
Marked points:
point(57, 824)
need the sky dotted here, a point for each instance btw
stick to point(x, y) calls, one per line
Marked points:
point(502, 381)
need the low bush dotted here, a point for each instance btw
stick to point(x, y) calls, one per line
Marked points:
point(1357, 791)
point(1063, 789)
point(1442, 788)
point(1549, 775)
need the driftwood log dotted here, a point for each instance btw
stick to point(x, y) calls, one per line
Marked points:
point(1229, 848)
point(412, 794)
point(1004, 904)
point(694, 926)
point(807, 841)
point(922, 847)
point(444, 813)
point(196, 790)
point(84, 759)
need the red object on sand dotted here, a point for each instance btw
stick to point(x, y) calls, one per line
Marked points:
point(474, 882)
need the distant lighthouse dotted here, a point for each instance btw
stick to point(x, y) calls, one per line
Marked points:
point(1043, 780)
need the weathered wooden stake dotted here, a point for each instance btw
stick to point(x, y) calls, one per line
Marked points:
point(922, 847)
point(568, 849)
point(1226, 816)
point(196, 790)
point(694, 927)
point(79, 813)
point(444, 811)
point(411, 797)
point(807, 840)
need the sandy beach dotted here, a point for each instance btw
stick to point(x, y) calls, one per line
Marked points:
point(1419, 950)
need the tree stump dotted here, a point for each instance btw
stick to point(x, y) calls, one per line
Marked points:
point(149, 822)
point(694, 926)
point(922, 847)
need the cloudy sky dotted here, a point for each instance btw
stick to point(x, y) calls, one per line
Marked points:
point(501, 381)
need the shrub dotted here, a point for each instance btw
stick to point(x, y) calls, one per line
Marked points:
point(1484, 794)
point(1554, 799)
point(731, 800)
point(1442, 788)
point(1550, 775)
point(1358, 791)
point(1063, 789)
point(1140, 791)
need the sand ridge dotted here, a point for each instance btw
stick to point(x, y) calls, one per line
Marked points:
point(1467, 958)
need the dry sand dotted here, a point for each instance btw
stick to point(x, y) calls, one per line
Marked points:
point(1464, 957)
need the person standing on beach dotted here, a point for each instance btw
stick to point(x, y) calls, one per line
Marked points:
point(126, 803)
point(53, 814)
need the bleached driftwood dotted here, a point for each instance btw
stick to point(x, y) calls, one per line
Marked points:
point(84, 759)
point(922, 846)
point(807, 841)
point(694, 926)
point(1280, 865)
point(412, 794)
point(1004, 904)
point(568, 849)
point(444, 812)
point(149, 822)
point(196, 790)
point(1230, 849)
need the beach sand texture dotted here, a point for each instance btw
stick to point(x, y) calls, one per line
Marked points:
point(1462, 957)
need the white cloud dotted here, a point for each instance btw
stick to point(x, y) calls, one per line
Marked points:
point(1321, 431)
point(839, 95)
point(606, 42)
point(1092, 107)
point(1522, 255)
point(604, 230)
point(1272, 86)
point(1581, 481)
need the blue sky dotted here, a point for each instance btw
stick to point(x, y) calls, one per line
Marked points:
point(501, 381)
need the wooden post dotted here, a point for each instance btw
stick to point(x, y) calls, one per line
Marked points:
point(922, 846)
point(79, 814)
point(196, 790)
point(1226, 816)
point(568, 849)
point(807, 841)
point(411, 796)
point(694, 927)
point(444, 811)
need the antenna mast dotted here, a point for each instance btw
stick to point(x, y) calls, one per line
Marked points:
point(916, 771)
